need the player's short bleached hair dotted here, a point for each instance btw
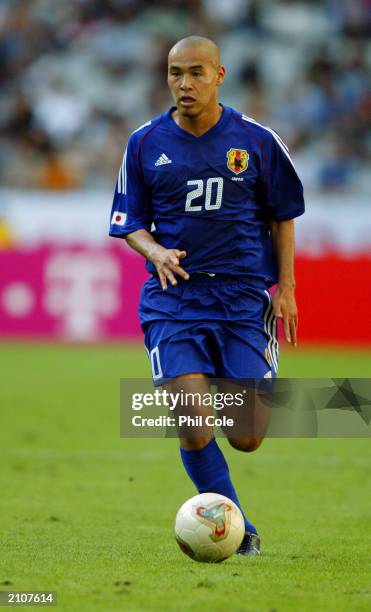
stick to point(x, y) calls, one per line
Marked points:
point(198, 41)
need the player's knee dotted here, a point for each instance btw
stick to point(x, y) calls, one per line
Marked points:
point(194, 443)
point(246, 445)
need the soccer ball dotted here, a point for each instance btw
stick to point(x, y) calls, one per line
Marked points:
point(209, 527)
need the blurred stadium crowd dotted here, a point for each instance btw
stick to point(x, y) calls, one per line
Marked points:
point(76, 76)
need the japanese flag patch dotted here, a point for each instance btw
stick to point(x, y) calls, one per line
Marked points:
point(118, 218)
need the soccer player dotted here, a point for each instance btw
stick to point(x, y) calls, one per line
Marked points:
point(208, 196)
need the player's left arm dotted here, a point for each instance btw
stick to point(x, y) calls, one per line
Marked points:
point(284, 303)
point(284, 201)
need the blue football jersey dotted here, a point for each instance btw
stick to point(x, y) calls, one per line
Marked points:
point(211, 195)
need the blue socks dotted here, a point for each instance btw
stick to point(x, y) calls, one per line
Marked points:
point(209, 472)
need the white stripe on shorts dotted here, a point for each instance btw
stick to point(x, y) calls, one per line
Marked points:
point(270, 328)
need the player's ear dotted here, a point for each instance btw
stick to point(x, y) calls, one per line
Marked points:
point(221, 75)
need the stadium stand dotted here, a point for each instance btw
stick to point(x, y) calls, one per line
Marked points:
point(77, 76)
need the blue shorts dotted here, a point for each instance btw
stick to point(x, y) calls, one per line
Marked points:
point(221, 328)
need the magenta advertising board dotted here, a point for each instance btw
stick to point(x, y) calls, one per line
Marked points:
point(85, 293)
point(72, 293)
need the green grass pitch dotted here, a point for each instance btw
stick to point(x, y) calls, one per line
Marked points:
point(90, 515)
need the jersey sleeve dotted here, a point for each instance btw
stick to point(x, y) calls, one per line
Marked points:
point(131, 202)
point(283, 190)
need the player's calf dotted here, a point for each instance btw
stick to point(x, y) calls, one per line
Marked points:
point(195, 443)
point(246, 445)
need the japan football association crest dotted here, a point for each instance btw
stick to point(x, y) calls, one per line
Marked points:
point(238, 160)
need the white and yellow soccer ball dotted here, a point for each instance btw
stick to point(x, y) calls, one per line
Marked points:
point(209, 527)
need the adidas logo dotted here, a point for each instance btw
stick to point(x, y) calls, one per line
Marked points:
point(163, 159)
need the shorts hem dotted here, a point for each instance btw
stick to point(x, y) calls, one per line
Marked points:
point(164, 379)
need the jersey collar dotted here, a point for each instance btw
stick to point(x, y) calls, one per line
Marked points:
point(174, 127)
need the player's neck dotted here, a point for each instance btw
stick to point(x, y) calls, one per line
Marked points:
point(201, 123)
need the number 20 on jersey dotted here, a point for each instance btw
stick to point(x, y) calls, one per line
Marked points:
point(212, 189)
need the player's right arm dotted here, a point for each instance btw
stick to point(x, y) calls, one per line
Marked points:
point(166, 261)
point(131, 218)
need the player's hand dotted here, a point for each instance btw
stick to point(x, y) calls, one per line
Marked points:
point(284, 307)
point(166, 262)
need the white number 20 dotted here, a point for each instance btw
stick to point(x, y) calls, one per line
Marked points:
point(199, 190)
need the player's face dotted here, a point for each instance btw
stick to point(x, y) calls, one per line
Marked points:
point(193, 79)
